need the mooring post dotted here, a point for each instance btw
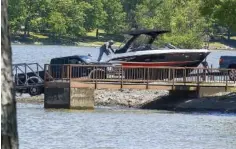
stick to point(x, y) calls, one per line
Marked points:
point(62, 74)
point(26, 77)
point(234, 78)
point(184, 75)
point(45, 71)
point(95, 78)
point(147, 83)
point(169, 75)
point(211, 73)
point(198, 84)
point(70, 72)
point(198, 77)
point(173, 81)
point(121, 86)
point(17, 81)
point(226, 88)
point(37, 68)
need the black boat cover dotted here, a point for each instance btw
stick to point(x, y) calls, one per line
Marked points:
point(147, 32)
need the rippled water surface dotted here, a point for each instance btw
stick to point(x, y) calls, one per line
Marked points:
point(114, 128)
point(123, 129)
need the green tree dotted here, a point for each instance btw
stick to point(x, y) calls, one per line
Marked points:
point(181, 17)
point(57, 23)
point(73, 12)
point(187, 25)
point(222, 12)
point(16, 14)
point(40, 23)
point(31, 11)
point(95, 16)
point(129, 6)
point(152, 14)
point(115, 21)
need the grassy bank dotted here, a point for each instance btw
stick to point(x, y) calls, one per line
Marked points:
point(89, 39)
point(221, 42)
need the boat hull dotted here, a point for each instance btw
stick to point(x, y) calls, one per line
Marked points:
point(158, 64)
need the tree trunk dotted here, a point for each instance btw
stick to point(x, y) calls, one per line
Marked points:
point(228, 34)
point(97, 33)
point(26, 27)
point(9, 136)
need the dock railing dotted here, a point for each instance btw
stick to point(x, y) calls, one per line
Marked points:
point(23, 70)
point(140, 75)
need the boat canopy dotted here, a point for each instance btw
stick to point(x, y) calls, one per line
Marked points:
point(152, 34)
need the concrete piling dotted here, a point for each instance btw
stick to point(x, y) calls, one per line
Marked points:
point(63, 96)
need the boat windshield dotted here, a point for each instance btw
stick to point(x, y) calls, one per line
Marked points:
point(127, 38)
point(168, 46)
point(140, 42)
point(144, 42)
point(87, 59)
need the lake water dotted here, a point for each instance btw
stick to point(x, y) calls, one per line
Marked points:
point(43, 54)
point(114, 128)
point(107, 128)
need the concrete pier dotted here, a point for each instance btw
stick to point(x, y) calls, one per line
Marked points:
point(61, 95)
point(81, 98)
point(79, 95)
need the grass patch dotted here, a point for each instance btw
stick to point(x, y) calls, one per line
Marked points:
point(97, 43)
point(216, 45)
point(233, 37)
point(93, 32)
point(39, 36)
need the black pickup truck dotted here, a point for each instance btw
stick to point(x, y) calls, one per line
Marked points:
point(58, 70)
point(228, 62)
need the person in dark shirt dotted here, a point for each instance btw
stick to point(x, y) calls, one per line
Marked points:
point(106, 48)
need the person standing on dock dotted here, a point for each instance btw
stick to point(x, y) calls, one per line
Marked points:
point(106, 48)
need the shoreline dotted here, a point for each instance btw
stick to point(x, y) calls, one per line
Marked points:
point(86, 44)
point(155, 100)
point(79, 45)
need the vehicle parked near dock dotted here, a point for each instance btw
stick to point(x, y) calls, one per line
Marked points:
point(228, 62)
point(32, 81)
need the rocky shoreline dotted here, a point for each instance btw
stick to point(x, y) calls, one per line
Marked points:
point(159, 100)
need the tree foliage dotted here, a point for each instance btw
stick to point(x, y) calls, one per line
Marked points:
point(115, 20)
point(96, 16)
point(181, 17)
point(221, 12)
point(188, 20)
